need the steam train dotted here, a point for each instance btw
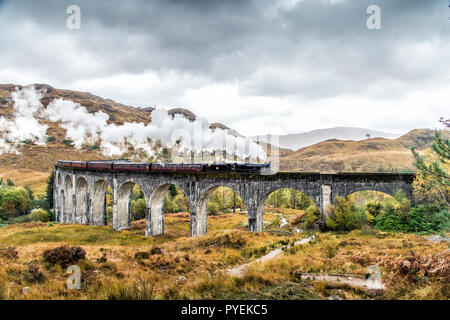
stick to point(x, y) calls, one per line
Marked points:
point(124, 165)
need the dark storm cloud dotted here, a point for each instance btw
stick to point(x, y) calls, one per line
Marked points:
point(224, 40)
point(310, 49)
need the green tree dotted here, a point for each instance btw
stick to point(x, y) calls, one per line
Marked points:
point(136, 193)
point(277, 198)
point(173, 191)
point(170, 205)
point(9, 183)
point(49, 190)
point(311, 216)
point(213, 208)
point(373, 207)
point(345, 215)
point(14, 202)
point(30, 192)
point(394, 214)
point(435, 170)
point(138, 209)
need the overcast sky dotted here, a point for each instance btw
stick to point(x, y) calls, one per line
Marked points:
point(262, 66)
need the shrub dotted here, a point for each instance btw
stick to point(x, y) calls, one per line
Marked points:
point(39, 215)
point(41, 204)
point(213, 208)
point(90, 146)
point(50, 138)
point(9, 253)
point(345, 216)
point(373, 207)
point(312, 214)
point(64, 255)
point(141, 255)
point(27, 141)
point(330, 249)
point(68, 142)
point(156, 250)
point(20, 219)
point(367, 230)
point(34, 275)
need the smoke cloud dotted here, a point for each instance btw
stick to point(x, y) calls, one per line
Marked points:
point(85, 128)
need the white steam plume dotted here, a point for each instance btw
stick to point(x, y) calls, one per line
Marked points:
point(24, 125)
point(83, 127)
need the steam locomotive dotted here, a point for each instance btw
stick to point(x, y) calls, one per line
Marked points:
point(124, 165)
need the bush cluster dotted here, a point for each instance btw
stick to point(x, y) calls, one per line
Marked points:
point(420, 219)
point(39, 215)
point(64, 255)
point(9, 253)
point(390, 214)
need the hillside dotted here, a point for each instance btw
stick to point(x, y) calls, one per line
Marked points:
point(376, 154)
point(304, 139)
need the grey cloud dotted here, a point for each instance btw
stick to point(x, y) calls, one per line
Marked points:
point(317, 49)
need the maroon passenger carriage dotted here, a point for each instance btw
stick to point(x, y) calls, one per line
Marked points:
point(131, 166)
point(176, 167)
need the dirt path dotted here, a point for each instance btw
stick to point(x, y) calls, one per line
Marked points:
point(351, 281)
point(239, 270)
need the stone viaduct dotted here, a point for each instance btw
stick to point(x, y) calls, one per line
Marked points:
point(80, 194)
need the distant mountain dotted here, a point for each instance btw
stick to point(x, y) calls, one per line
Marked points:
point(369, 155)
point(301, 140)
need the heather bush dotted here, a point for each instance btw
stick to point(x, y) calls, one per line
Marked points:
point(9, 253)
point(64, 255)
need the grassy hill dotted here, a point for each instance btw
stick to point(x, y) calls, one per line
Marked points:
point(375, 155)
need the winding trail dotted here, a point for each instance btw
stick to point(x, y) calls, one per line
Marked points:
point(350, 280)
point(371, 284)
point(239, 270)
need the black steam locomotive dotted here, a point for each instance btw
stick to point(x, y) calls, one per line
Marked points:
point(124, 165)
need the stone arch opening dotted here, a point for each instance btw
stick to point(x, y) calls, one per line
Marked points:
point(138, 204)
point(286, 207)
point(167, 201)
point(82, 207)
point(122, 214)
point(99, 203)
point(225, 209)
point(68, 213)
point(207, 204)
point(360, 198)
